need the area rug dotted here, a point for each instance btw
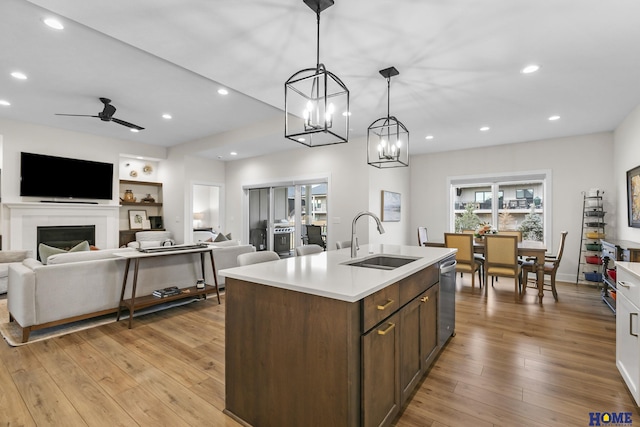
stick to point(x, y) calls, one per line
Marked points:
point(12, 333)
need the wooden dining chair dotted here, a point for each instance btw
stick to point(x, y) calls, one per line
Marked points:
point(466, 261)
point(551, 264)
point(516, 233)
point(501, 260)
point(422, 236)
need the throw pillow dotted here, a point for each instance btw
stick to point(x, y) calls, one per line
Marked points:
point(220, 238)
point(46, 251)
point(228, 236)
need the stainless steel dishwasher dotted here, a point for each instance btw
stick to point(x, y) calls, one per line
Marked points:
point(447, 301)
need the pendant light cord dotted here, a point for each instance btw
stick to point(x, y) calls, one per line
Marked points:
point(318, 38)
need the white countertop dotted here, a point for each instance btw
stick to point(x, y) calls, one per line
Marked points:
point(631, 267)
point(325, 274)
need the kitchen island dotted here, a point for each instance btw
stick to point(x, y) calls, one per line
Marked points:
point(314, 341)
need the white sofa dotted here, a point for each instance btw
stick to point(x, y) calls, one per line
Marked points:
point(7, 257)
point(79, 285)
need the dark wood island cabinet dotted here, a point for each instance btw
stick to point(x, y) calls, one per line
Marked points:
point(295, 358)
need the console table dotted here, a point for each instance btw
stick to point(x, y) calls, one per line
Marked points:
point(136, 302)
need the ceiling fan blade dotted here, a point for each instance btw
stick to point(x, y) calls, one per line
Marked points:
point(127, 124)
point(75, 115)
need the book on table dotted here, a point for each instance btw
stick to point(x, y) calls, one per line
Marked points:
point(167, 292)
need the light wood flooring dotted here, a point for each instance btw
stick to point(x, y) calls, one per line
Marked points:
point(510, 364)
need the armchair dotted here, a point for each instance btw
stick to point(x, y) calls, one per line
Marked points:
point(313, 236)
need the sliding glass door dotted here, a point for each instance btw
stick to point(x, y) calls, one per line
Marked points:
point(278, 215)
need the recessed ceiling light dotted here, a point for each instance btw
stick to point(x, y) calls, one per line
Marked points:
point(19, 75)
point(301, 139)
point(554, 118)
point(485, 128)
point(530, 69)
point(346, 113)
point(54, 23)
point(167, 116)
point(135, 130)
point(428, 137)
point(223, 91)
point(5, 103)
point(233, 153)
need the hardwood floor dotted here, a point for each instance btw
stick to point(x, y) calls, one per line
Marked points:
point(510, 364)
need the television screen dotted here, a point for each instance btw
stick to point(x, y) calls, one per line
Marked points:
point(61, 177)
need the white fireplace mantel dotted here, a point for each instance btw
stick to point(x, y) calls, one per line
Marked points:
point(24, 218)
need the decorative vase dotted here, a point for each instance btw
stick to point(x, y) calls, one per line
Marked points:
point(128, 196)
point(478, 239)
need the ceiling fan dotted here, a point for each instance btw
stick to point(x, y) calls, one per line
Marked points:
point(106, 115)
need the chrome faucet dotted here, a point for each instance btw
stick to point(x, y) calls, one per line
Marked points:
point(354, 239)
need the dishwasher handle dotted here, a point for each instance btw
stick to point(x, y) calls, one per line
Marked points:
point(448, 266)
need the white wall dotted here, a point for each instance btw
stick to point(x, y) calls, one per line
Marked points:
point(353, 186)
point(19, 136)
point(626, 157)
point(577, 164)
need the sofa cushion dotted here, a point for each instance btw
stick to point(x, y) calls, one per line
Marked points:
point(46, 251)
point(220, 238)
point(84, 256)
point(13, 255)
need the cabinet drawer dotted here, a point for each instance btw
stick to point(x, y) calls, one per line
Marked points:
point(628, 285)
point(380, 305)
point(417, 283)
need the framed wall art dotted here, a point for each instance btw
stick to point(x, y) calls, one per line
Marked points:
point(137, 219)
point(633, 196)
point(390, 206)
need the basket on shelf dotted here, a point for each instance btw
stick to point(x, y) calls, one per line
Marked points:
point(594, 247)
point(594, 213)
point(595, 235)
point(593, 277)
point(593, 259)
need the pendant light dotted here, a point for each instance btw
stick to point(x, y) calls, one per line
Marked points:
point(316, 102)
point(387, 137)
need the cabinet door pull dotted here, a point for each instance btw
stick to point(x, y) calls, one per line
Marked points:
point(390, 326)
point(631, 324)
point(623, 283)
point(424, 299)
point(385, 305)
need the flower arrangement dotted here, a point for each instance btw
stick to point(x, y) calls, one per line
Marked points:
point(484, 229)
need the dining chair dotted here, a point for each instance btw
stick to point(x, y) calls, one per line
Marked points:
point(516, 233)
point(341, 244)
point(501, 259)
point(422, 236)
point(308, 250)
point(551, 264)
point(466, 261)
point(256, 257)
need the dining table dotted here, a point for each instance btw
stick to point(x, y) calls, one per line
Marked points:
point(526, 249)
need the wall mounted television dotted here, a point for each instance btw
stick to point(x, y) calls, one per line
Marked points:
point(64, 178)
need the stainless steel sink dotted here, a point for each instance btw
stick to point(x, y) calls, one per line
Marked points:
point(382, 262)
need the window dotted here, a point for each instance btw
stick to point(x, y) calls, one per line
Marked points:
point(509, 202)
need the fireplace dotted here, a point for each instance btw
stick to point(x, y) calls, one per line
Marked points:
point(65, 236)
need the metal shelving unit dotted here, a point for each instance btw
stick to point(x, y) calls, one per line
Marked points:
point(590, 262)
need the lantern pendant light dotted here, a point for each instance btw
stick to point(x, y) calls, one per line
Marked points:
point(387, 137)
point(316, 101)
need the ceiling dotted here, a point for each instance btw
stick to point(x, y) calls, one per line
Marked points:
point(459, 64)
